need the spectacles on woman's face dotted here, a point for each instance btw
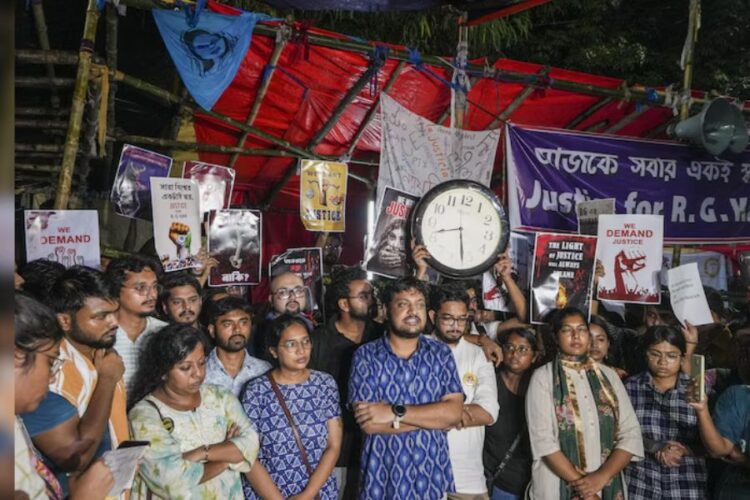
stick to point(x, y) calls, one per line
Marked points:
point(520, 349)
point(657, 356)
point(293, 345)
point(285, 293)
point(449, 320)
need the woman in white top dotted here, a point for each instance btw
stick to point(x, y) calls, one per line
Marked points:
point(582, 427)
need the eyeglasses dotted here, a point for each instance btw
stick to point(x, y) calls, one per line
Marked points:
point(285, 293)
point(657, 356)
point(568, 330)
point(293, 345)
point(521, 349)
point(56, 363)
point(364, 296)
point(143, 289)
point(452, 320)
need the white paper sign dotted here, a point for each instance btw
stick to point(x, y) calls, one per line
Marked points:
point(123, 463)
point(417, 154)
point(177, 227)
point(630, 249)
point(687, 296)
point(588, 213)
point(70, 237)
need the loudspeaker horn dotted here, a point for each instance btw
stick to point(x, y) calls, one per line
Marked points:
point(718, 126)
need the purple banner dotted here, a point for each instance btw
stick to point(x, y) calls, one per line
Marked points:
point(703, 198)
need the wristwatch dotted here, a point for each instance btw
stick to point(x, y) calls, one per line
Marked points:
point(399, 411)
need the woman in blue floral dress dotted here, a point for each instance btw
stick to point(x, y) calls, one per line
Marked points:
point(312, 400)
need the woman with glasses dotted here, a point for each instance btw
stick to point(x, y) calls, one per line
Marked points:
point(582, 427)
point(507, 452)
point(296, 412)
point(37, 363)
point(675, 465)
point(200, 438)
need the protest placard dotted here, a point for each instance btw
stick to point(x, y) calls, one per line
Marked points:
point(588, 213)
point(70, 237)
point(386, 253)
point(630, 250)
point(177, 227)
point(214, 182)
point(305, 263)
point(234, 240)
point(687, 297)
point(494, 295)
point(322, 200)
point(130, 190)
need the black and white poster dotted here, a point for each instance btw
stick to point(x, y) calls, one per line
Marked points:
point(234, 239)
point(388, 251)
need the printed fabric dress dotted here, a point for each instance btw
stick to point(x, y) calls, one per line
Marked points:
point(312, 404)
point(163, 469)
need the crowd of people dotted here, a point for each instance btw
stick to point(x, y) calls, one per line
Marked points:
point(407, 390)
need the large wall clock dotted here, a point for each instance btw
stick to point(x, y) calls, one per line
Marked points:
point(463, 225)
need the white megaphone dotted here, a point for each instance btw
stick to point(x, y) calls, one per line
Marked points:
point(718, 127)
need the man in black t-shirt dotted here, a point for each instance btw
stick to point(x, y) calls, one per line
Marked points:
point(333, 349)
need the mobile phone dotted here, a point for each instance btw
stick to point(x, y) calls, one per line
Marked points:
point(698, 376)
point(133, 444)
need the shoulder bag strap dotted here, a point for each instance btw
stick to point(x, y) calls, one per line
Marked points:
point(508, 455)
point(292, 424)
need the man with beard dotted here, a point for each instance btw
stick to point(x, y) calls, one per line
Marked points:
point(333, 349)
point(405, 392)
point(133, 279)
point(229, 365)
point(450, 314)
point(180, 298)
point(83, 415)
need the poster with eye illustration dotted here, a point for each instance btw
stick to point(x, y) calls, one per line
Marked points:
point(214, 182)
point(130, 191)
point(234, 240)
point(177, 225)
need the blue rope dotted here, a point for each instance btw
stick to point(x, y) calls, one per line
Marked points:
point(100, 4)
point(416, 59)
point(193, 14)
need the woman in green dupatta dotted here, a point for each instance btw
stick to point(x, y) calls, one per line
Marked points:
point(582, 427)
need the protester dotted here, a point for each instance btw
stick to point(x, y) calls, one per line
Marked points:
point(37, 363)
point(288, 294)
point(297, 414)
point(582, 427)
point(229, 364)
point(450, 314)
point(83, 415)
point(332, 351)
point(715, 340)
point(507, 451)
point(732, 418)
point(674, 466)
point(134, 280)
point(38, 277)
point(602, 343)
point(180, 298)
point(200, 439)
point(405, 392)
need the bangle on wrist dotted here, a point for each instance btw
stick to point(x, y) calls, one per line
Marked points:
point(205, 453)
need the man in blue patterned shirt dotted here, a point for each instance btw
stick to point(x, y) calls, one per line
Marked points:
point(405, 392)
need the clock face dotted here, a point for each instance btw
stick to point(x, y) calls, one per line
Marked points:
point(463, 226)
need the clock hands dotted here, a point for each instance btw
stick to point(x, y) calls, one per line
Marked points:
point(449, 230)
point(461, 235)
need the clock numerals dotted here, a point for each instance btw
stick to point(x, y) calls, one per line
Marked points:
point(432, 221)
point(483, 248)
point(489, 235)
point(439, 208)
point(467, 200)
point(452, 200)
point(487, 220)
point(479, 208)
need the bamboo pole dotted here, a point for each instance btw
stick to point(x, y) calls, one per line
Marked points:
point(374, 109)
point(588, 112)
point(43, 37)
point(43, 82)
point(657, 131)
point(48, 169)
point(39, 111)
point(281, 38)
point(515, 103)
point(42, 148)
point(595, 127)
point(625, 121)
point(353, 92)
point(60, 57)
point(76, 110)
point(112, 22)
point(45, 124)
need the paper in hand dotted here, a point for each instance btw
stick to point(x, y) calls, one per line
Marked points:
point(687, 296)
point(123, 463)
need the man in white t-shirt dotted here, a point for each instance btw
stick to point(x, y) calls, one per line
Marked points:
point(450, 314)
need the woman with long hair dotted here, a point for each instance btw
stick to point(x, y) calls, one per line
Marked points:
point(297, 414)
point(602, 343)
point(582, 427)
point(507, 453)
point(200, 438)
point(675, 463)
point(36, 364)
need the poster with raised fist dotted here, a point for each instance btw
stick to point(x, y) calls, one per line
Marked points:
point(177, 227)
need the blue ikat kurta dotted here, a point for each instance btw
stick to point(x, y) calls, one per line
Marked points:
point(413, 464)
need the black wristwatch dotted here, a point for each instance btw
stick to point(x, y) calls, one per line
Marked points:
point(399, 410)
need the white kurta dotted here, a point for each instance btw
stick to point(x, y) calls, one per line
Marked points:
point(543, 430)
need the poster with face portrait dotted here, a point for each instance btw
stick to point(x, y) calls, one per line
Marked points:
point(234, 240)
point(387, 252)
point(70, 237)
point(322, 195)
point(562, 273)
point(305, 263)
point(177, 225)
point(495, 295)
point(130, 195)
point(630, 249)
point(214, 182)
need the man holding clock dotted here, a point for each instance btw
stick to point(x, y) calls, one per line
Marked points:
point(405, 392)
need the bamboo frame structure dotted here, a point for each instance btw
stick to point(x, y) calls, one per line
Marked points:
point(515, 103)
point(588, 112)
point(625, 120)
point(40, 23)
